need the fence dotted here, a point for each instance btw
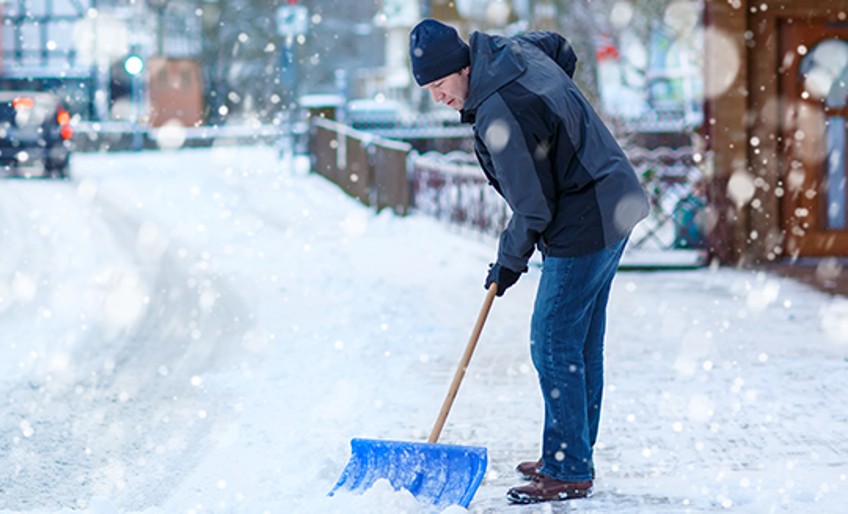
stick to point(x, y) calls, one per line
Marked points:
point(366, 167)
point(674, 184)
point(451, 187)
point(123, 136)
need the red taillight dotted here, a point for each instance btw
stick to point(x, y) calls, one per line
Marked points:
point(63, 117)
point(64, 120)
point(23, 102)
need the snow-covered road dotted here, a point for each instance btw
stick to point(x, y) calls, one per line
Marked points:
point(104, 329)
point(205, 331)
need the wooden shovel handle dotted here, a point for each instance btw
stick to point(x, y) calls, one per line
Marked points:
point(463, 364)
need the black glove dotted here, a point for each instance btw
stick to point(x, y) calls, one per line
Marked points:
point(503, 277)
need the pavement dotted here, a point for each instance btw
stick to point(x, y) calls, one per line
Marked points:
point(828, 275)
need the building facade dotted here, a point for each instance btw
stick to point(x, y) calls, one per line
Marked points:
point(78, 48)
point(775, 125)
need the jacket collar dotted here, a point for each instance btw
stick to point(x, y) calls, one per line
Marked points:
point(495, 62)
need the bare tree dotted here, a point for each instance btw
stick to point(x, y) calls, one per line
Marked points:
point(585, 22)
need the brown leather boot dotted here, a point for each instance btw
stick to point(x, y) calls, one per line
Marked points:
point(546, 489)
point(529, 470)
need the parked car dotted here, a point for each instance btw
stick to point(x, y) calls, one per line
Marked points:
point(35, 134)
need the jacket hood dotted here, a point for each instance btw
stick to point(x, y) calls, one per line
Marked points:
point(495, 62)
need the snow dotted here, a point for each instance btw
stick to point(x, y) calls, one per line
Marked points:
point(206, 330)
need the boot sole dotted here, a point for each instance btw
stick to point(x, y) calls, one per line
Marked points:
point(524, 499)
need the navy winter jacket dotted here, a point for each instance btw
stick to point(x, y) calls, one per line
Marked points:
point(543, 147)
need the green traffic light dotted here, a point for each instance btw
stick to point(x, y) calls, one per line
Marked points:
point(134, 64)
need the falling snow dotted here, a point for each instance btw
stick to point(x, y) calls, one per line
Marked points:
point(206, 330)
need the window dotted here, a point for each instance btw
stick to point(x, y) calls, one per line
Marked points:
point(825, 75)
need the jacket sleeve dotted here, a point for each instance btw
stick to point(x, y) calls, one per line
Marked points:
point(556, 47)
point(526, 187)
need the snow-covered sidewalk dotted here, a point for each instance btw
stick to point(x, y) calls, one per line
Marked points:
point(206, 330)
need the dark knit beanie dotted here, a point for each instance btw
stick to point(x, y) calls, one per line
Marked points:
point(436, 51)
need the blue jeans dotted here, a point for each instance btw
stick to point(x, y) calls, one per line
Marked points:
point(567, 347)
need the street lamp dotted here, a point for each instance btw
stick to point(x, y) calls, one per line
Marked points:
point(292, 23)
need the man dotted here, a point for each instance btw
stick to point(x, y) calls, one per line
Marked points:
point(573, 195)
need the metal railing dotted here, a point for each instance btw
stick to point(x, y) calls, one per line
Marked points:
point(452, 187)
point(673, 181)
point(117, 136)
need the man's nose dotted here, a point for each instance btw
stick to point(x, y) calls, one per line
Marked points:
point(435, 94)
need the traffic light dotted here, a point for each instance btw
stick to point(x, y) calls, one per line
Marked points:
point(133, 64)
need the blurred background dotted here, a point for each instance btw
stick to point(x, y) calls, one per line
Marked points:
point(193, 63)
point(731, 111)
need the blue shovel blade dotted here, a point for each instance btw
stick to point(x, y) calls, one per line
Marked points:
point(440, 474)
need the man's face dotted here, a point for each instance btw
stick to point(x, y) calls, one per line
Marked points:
point(451, 90)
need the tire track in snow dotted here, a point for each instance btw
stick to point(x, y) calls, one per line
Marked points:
point(129, 414)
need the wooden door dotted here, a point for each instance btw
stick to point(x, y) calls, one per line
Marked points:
point(814, 86)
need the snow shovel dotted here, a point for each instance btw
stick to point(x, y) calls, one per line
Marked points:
point(440, 474)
